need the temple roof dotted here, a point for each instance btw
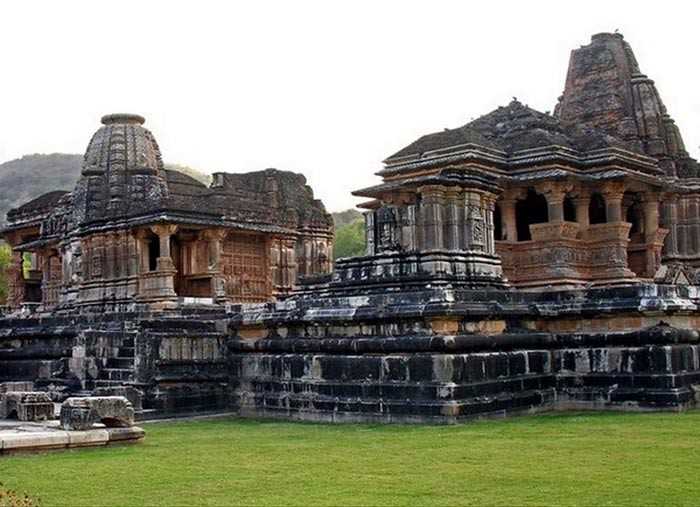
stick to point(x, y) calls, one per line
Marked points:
point(36, 209)
point(510, 129)
point(605, 89)
point(122, 174)
point(271, 197)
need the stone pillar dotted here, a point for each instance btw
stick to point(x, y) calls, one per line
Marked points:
point(508, 220)
point(369, 233)
point(670, 215)
point(583, 202)
point(613, 194)
point(215, 237)
point(158, 287)
point(15, 279)
point(409, 242)
point(489, 205)
point(432, 214)
point(651, 216)
point(475, 223)
point(289, 267)
point(141, 264)
point(695, 226)
point(653, 235)
point(555, 206)
point(554, 192)
point(164, 233)
point(452, 241)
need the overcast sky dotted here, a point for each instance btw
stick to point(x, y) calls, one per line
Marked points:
point(326, 88)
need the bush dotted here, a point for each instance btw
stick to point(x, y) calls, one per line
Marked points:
point(4, 263)
point(10, 498)
point(350, 239)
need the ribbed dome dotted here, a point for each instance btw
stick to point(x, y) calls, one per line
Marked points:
point(122, 171)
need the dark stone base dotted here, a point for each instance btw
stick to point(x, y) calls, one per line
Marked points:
point(439, 387)
point(379, 356)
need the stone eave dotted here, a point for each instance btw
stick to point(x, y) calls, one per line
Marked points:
point(13, 227)
point(456, 178)
point(475, 152)
point(531, 156)
point(602, 173)
point(37, 244)
point(457, 148)
point(182, 218)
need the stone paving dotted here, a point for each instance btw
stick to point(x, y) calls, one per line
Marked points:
point(17, 436)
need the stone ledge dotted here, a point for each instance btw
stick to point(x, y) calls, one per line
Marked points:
point(31, 438)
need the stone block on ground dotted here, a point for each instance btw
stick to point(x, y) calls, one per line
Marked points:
point(79, 414)
point(135, 396)
point(26, 406)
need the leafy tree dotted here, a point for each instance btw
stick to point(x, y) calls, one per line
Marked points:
point(5, 256)
point(350, 239)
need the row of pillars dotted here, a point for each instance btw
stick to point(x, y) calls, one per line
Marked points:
point(554, 193)
point(165, 265)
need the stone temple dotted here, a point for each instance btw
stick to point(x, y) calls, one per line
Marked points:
point(525, 261)
point(134, 235)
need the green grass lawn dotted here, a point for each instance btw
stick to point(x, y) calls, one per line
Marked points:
point(558, 459)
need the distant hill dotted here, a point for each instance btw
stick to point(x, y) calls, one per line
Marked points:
point(27, 178)
point(343, 218)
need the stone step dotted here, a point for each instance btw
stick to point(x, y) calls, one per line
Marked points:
point(119, 374)
point(120, 362)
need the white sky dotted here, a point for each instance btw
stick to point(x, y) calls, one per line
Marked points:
point(324, 88)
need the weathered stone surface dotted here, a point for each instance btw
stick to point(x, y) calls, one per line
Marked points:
point(26, 406)
point(32, 437)
point(522, 262)
point(135, 396)
point(8, 387)
point(79, 414)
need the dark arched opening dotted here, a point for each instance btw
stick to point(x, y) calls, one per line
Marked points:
point(569, 209)
point(633, 213)
point(532, 210)
point(114, 422)
point(497, 224)
point(596, 210)
point(153, 253)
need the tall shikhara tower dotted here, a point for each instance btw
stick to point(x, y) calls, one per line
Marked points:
point(606, 90)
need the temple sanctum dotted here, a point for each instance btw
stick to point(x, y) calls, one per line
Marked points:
point(602, 192)
point(523, 262)
point(132, 233)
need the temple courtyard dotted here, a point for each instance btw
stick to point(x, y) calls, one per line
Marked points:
point(556, 459)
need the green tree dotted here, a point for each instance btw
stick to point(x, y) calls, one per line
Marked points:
point(5, 256)
point(350, 240)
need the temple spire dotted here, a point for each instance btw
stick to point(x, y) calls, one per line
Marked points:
point(605, 89)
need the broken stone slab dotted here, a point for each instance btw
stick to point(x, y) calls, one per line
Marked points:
point(45, 438)
point(135, 396)
point(79, 414)
point(26, 406)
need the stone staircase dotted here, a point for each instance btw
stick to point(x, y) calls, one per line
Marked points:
point(120, 369)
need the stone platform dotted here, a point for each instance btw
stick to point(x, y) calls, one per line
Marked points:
point(30, 437)
point(442, 355)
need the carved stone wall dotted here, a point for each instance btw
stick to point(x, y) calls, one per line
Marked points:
point(245, 268)
point(443, 218)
